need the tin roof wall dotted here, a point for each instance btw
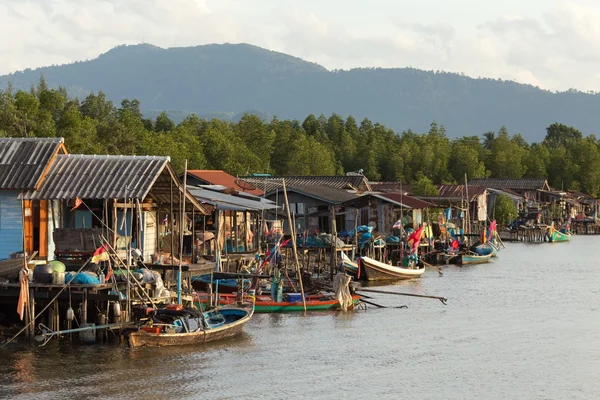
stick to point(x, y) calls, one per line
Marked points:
point(271, 183)
point(222, 178)
point(23, 161)
point(509, 183)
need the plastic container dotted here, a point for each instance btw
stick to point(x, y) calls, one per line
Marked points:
point(42, 273)
point(151, 329)
point(294, 297)
point(58, 278)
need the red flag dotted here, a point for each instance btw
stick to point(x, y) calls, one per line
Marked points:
point(414, 239)
point(101, 254)
point(493, 226)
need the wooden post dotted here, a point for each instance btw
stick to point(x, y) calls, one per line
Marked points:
point(355, 248)
point(333, 244)
point(182, 221)
point(293, 230)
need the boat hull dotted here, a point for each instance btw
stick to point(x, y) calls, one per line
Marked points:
point(375, 270)
point(264, 304)
point(558, 236)
point(470, 259)
point(146, 339)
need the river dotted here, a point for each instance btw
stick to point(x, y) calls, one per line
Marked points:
point(525, 326)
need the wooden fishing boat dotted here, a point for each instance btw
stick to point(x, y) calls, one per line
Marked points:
point(265, 304)
point(558, 236)
point(191, 327)
point(495, 249)
point(350, 267)
point(201, 282)
point(469, 259)
point(376, 270)
point(484, 249)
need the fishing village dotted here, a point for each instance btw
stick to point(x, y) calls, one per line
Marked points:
point(127, 250)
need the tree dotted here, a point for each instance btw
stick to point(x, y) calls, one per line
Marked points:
point(504, 209)
point(424, 186)
point(163, 123)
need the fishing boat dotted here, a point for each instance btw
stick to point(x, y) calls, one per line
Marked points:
point(495, 248)
point(350, 267)
point(201, 282)
point(484, 249)
point(181, 326)
point(292, 302)
point(472, 258)
point(376, 270)
point(558, 236)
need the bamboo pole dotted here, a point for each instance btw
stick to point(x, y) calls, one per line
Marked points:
point(293, 230)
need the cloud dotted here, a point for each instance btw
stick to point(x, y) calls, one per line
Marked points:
point(557, 49)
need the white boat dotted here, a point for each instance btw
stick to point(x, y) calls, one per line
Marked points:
point(376, 270)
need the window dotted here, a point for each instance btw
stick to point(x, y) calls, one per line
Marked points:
point(297, 208)
point(364, 216)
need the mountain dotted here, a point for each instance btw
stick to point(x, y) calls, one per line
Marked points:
point(229, 79)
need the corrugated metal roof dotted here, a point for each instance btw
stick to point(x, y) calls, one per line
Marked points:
point(99, 177)
point(457, 191)
point(24, 160)
point(324, 193)
point(509, 183)
point(271, 183)
point(406, 201)
point(218, 177)
point(224, 201)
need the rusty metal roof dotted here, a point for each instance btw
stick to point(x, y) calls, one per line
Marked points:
point(23, 161)
point(458, 191)
point(271, 183)
point(509, 183)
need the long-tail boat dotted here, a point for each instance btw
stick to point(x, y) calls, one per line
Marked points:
point(180, 326)
point(558, 236)
point(292, 302)
point(472, 258)
point(350, 267)
point(376, 270)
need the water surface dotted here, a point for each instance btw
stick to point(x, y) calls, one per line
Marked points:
point(525, 326)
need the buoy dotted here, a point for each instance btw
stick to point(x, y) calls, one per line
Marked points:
point(117, 309)
point(70, 314)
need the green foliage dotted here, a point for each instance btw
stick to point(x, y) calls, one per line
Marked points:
point(504, 209)
point(317, 146)
point(424, 186)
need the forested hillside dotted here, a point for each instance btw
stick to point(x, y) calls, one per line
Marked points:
point(315, 145)
point(227, 80)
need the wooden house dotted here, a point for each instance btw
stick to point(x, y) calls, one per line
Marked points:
point(382, 210)
point(124, 199)
point(312, 207)
point(24, 165)
point(530, 188)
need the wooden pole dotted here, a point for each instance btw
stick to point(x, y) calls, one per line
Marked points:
point(293, 230)
point(182, 221)
point(355, 247)
point(333, 244)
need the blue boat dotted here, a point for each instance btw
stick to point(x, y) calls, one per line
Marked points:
point(472, 258)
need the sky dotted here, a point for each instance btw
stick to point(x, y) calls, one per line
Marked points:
point(553, 44)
